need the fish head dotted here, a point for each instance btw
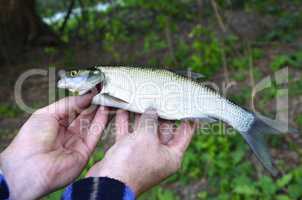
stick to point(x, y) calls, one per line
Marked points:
point(81, 81)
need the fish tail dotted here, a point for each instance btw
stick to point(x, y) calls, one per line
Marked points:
point(254, 136)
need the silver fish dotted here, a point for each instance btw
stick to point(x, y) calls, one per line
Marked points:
point(174, 97)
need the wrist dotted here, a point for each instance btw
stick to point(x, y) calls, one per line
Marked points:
point(104, 188)
point(122, 177)
point(18, 182)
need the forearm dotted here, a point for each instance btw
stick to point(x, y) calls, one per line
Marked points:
point(103, 188)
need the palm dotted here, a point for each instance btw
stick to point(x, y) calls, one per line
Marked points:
point(54, 144)
point(69, 152)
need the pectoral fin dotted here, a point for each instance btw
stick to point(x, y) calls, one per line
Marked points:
point(118, 94)
point(107, 100)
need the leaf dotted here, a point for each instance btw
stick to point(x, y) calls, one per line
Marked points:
point(282, 197)
point(299, 120)
point(267, 185)
point(223, 197)
point(242, 180)
point(280, 62)
point(246, 190)
point(238, 156)
point(295, 191)
point(163, 194)
point(202, 195)
point(244, 185)
point(284, 180)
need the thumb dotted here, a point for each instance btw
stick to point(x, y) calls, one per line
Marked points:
point(182, 137)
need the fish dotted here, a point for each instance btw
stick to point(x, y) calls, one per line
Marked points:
point(174, 97)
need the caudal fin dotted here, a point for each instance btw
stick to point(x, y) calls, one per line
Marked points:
point(255, 138)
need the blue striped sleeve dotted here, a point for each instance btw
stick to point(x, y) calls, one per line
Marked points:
point(4, 192)
point(102, 188)
point(128, 194)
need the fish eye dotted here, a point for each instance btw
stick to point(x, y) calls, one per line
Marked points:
point(73, 73)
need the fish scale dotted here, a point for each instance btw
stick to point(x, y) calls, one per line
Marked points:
point(210, 105)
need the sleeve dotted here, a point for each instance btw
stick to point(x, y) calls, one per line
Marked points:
point(101, 188)
point(4, 192)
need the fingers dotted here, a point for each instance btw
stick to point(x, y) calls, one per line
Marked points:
point(148, 123)
point(97, 126)
point(182, 137)
point(166, 131)
point(121, 124)
point(136, 121)
point(67, 107)
point(82, 122)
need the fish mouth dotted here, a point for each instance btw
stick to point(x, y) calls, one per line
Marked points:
point(96, 89)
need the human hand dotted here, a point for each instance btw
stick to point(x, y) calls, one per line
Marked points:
point(52, 147)
point(140, 159)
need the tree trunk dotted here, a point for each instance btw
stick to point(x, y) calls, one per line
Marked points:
point(20, 25)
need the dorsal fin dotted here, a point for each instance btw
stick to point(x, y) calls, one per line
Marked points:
point(187, 73)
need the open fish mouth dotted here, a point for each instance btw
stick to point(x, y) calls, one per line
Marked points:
point(97, 88)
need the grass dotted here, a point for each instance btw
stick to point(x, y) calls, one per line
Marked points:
point(9, 111)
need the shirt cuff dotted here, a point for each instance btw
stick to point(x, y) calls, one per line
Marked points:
point(102, 188)
point(4, 192)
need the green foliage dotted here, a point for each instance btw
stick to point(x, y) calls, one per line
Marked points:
point(280, 61)
point(294, 88)
point(224, 156)
point(284, 29)
point(69, 60)
point(245, 190)
point(284, 60)
point(159, 193)
point(286, 21)
point(50, 51)
point(207, 55)
point(299, 120)
point(153, 43)
point(54, 196)
point(243, 96)
point(283, 181)
point(9, 111)
point(268, 6)
point(240, 63)
point(162, 194)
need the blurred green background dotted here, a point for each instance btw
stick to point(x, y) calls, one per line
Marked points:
point(226, 40)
